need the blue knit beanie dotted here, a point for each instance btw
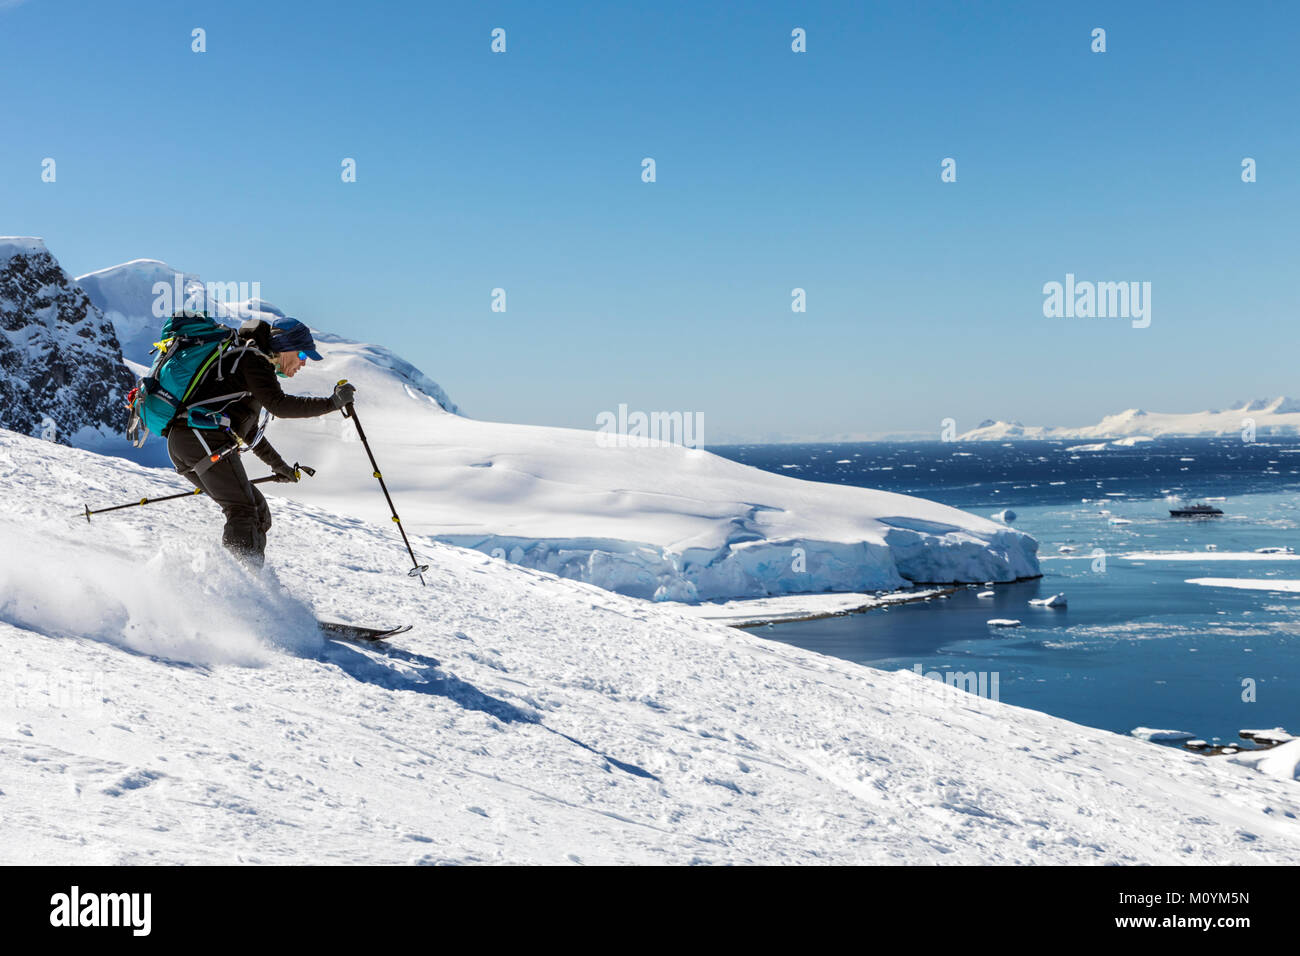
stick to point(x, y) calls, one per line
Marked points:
point(290, 335)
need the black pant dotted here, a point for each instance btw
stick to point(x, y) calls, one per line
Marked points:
point(248, 518)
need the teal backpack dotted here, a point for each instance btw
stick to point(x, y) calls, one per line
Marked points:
point(193, 344)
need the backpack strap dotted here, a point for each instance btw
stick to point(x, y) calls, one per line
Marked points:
point(226, 348)
point(237, 445)
point(216, 405)
point(242, 350)
point(219, 398)
point(209, 457)
point(202, 466)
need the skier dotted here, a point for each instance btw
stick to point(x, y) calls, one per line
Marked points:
point(209, 457)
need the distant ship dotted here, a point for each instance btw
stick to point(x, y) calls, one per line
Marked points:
point(1198, 510)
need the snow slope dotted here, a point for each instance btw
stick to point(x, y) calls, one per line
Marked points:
point(664, 522)
point(163, 706)
point(1277, 416)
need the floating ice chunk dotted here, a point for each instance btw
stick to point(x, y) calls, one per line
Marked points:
point(1056, 600)
point(1146, 733)
point(1249, 584)
point(987, 594)
point(1004, 622)
point(1065, 549)
point(1120, 521)
point(1006, 516)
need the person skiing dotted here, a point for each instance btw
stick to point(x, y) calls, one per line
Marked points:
point(209, 458)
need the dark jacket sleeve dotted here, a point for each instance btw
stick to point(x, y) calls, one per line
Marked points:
point(259, 375)
point(269, 456)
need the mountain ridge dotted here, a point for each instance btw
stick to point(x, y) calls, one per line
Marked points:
point(61, 371)
point(1278, 416)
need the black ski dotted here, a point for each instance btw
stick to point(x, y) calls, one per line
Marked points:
point(352, 632)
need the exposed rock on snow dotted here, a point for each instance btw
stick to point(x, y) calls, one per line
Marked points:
point(61, 372)
point(1275, 735)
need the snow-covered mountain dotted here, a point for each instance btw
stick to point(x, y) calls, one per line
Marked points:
point(129, 296)
point(163, 706)
point(126, 296)
point(61, 371)
point(662, 522)
point(656, 522)
point(1275, 416)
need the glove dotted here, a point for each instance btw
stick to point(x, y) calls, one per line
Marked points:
point(343, 394)
point(284, 473)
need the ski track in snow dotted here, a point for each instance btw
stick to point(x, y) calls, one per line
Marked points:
point(526, 719)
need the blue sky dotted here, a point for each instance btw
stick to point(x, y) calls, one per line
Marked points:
point(775, 170)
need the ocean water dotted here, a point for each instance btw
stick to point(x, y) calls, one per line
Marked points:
point(1137, 645)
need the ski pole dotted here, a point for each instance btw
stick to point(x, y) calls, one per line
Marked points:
point(183, 494)
point(350, 411)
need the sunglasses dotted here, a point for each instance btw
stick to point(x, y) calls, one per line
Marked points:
point(302, 356)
